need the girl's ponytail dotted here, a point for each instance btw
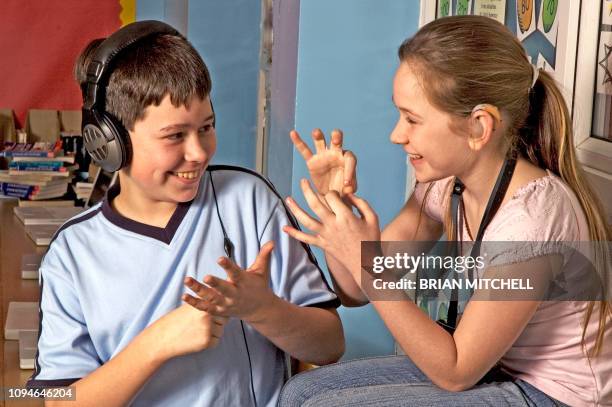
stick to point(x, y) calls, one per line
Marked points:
point(547, 141)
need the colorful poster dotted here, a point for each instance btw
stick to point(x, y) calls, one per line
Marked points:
point(495, 9)
point(543, 64)
point(606, 12)
point(525, 18)
point(548, 23)
point(464, 7)
point(444, 8)
point(604, 64)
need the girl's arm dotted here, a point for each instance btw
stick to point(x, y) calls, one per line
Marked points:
point(402, 228)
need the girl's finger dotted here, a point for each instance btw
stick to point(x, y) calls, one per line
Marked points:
point(301, 236)
point(314, 202)
point(319, 141)
point(302, 216)
point(300, 145)
point(336, 140)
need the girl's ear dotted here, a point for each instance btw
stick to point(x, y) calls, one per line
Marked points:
point(483, 122)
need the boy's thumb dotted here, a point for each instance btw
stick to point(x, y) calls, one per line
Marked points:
point(262, 261)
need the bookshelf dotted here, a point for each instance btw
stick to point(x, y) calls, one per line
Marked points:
point(13, 244)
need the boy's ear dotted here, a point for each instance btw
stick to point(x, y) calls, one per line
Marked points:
point(483, 123)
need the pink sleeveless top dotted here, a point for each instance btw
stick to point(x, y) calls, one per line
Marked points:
point(548, 354)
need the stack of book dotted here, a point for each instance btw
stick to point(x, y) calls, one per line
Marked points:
point(83, 190)
point(37, 171)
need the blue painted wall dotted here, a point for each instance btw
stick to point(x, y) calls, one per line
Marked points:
point(227, 36)
point(347, 55)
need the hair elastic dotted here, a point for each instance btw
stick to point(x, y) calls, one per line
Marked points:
point(535, 74)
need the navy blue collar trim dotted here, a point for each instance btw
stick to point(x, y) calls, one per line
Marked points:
point(164, 235)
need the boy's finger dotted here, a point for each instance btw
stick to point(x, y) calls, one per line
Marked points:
point(262, 261)
point(336, 140)
point(231, 269)
point(195, 302)
point(219, 320)
point(301, 215)
point(300, 145)
point(200, 289)
point(319, 141)
point(301, 236)
point(225, 288)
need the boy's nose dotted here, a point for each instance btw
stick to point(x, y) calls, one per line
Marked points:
point(194, 150)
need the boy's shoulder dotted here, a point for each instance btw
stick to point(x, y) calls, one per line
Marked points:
point(231, 181)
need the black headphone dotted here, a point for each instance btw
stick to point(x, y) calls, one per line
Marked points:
point(104, 136)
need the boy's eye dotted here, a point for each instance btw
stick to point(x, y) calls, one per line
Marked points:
point(409, 120)
point(175, 136)
point(205, 129)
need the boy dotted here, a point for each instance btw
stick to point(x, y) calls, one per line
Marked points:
point(112, 323)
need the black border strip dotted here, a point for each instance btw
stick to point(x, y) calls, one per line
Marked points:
point(38, 384)
point(164, 235)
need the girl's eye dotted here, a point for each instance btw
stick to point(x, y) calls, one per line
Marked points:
point(409, 120)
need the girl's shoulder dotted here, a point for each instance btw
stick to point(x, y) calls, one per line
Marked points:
point(544, 209)
point(436, 195)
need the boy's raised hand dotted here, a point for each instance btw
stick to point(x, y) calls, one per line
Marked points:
point(331, 168)
point(244, 295)
point(186, 330)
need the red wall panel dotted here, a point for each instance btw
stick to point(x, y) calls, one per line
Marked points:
point(39, 42)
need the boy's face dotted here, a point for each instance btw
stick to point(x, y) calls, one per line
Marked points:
point(171, 148)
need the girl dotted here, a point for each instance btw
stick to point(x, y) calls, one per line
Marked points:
point(471, 109)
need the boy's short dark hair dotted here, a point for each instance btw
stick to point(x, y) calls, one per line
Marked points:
point(143, 74)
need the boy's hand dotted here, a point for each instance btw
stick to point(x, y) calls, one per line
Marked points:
point(331, 168)
point(244, 295)
point(186, 330)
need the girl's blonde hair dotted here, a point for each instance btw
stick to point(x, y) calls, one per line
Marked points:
point(465, 61)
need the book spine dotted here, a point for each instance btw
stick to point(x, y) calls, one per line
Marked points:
point(36, 166)
point(16, 193)
point(30, 153)
point(17, 187)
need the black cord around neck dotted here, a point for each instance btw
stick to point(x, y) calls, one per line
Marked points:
point(495, 199)
point(228, 247)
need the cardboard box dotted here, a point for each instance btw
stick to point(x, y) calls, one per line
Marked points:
point(42, 125)
point(7, 126)
point(70, 121)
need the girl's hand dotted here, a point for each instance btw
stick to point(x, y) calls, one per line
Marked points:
point(244, 295)
point(331, 168)
point(338, 231)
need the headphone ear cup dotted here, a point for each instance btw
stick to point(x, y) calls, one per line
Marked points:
point(106, 140)
point(123, 145)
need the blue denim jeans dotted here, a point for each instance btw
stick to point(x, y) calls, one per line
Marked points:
point(396, 381)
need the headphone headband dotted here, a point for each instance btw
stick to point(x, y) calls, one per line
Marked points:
point(104, 137)
point(98, 69)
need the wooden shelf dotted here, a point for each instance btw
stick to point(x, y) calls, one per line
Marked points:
point(13, 244)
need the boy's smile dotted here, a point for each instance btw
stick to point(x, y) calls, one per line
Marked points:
point(171, 148)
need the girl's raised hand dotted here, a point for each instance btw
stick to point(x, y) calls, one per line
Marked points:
point(331, 168)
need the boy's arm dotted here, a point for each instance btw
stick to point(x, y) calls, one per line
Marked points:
point(116, 382)
point(182, 331)
point(309, 333)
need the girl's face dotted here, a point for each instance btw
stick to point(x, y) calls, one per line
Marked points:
point(434, 150)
